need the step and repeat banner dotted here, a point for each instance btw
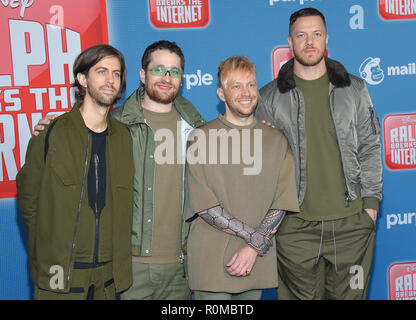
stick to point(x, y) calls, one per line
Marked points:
point(374, 39)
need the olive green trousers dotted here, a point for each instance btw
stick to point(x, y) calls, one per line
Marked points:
point(158, 282)
point(325, 259)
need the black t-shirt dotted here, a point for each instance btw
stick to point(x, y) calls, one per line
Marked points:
point(97, 174)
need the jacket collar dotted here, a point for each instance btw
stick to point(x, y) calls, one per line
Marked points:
point(337, 74)
point(76, 116)
point(133, 110)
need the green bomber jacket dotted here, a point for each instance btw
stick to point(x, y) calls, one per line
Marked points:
point(53, 198)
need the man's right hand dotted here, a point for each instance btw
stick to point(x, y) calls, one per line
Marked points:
point(40, 126)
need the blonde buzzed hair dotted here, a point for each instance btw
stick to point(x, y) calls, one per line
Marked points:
point(231, 65)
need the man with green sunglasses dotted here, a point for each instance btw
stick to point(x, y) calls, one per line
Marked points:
point(158, 234)
point(161, 71)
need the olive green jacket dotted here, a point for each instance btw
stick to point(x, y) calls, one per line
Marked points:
point(53, 199)
point(131, 114)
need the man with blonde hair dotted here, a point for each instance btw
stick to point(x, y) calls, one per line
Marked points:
point(234, 212)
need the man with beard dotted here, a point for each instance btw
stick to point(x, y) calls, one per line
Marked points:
point(75, 190)
point(328, 118)
point(159, 121)
point(234, 211)
point(157, 116)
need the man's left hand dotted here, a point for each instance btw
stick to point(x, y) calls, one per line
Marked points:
point(242, 262)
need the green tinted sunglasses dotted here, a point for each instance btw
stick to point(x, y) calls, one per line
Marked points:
point(162, 71)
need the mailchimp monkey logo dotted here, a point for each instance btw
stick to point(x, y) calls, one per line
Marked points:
point(371, 71)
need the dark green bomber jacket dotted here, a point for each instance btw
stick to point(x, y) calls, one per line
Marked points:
point(52, 195)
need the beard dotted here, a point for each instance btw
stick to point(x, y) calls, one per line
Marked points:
point(308, 62)
point(101, 99)
point(159, 97)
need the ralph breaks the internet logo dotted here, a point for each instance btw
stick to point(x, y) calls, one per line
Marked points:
point(39, 46)
point(172, 14)
point(402, 281)
point(397, 9)
point(400, 141)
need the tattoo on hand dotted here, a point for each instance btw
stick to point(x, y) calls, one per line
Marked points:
point(272, 220)
point(259, 239)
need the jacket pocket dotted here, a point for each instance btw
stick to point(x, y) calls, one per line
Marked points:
point(368, 219)
point(375, 124)
point(62, 174)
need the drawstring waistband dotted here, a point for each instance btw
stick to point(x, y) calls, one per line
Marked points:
point(320, 244)
point(335, 244)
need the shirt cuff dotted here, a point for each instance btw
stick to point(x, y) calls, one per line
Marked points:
point(370, 203)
